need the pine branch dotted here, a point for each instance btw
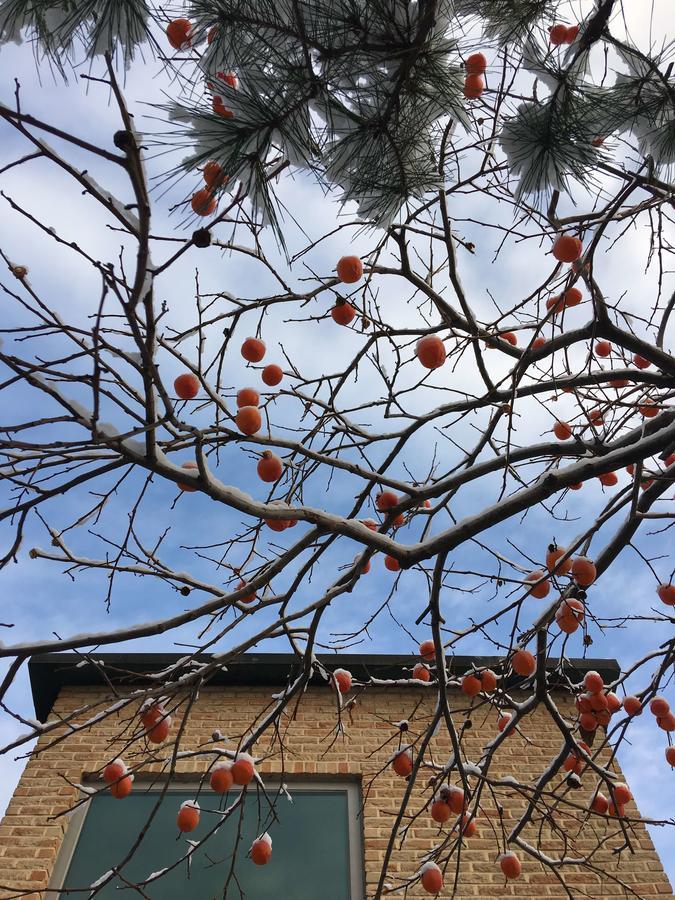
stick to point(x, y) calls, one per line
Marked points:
point(56, 27)
point(507, 21)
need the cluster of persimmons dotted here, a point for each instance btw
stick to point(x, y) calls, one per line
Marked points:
point(240, 770)
point(182, 36)
point(596, 703)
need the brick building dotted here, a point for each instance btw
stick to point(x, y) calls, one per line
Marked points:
point(324, 849)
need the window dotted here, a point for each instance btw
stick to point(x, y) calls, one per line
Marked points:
point(317, 848)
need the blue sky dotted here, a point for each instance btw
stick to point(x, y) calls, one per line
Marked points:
point(42, 604)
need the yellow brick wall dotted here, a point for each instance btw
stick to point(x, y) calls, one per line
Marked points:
point(29, 838)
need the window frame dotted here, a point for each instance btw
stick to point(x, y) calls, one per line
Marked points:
point(350, 786)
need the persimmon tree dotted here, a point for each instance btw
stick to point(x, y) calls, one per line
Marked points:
point(450, 356)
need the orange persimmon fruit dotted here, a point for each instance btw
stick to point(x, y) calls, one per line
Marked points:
point(402, 763)
point(632, 705)
point(272, 375)
point(249, 420)
point(593, 682)
point(557, 34)
point(221, 778)
point(471, 685)
point(122, 788)
point(573, 296)
point(158, 733)
point(488, 681)
point(554, 555)
point(440, 811)
point(261, 850)
point(430, 351)
point(509, 863)
point(178, 33)
point(474, 85)
point(523, 663)
point(188, 488)
point(539, 591)
point(188, 816)
point(203, 202)
point(427, 650)
point(243, 769)
point(114, 771)
point(562, 430)
point(584, 571)
point(349, 269)
point(343, 313)
point(659, 707)
point(504, 721)
point(622, 793)
point(648, 409)
point(343, 680)
point(247, 397)
point(186, 386)
point(391, 563)
point(385, 501)
point(269, 467)
point(220, 109)
point(421, 672)
point(476, 64)
point(213, 175)
point(253, 349)
point(432, 878)
point(567, 248)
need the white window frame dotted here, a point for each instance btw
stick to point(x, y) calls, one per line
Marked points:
point(351, 787)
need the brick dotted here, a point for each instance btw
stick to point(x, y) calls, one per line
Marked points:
point(29, 840)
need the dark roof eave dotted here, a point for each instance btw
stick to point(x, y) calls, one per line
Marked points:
point(52, 671)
